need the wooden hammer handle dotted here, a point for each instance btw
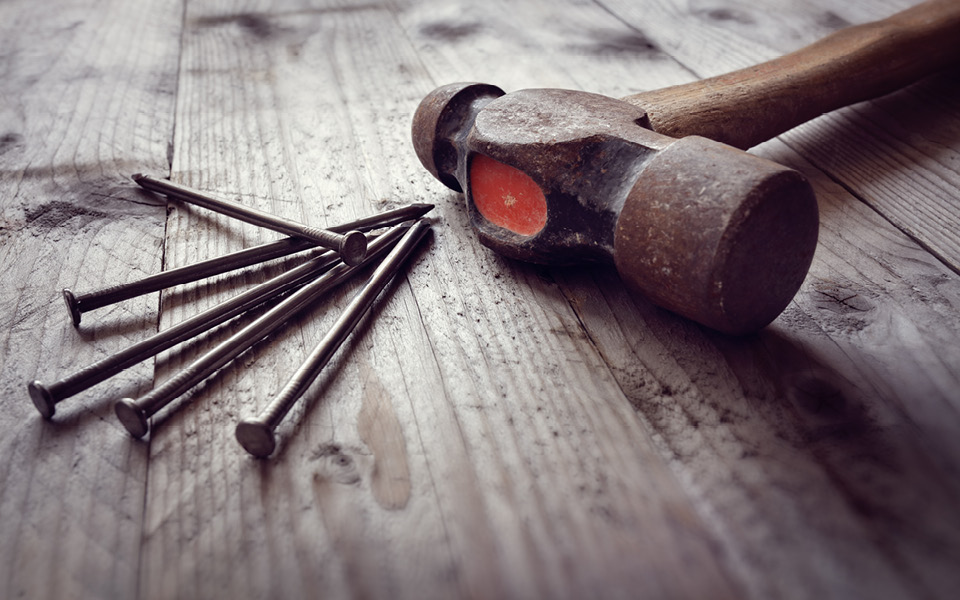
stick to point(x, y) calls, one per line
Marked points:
point(749, 106)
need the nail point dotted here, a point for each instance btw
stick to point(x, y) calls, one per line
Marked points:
point(132, 417)
point(42, 399)
point(353, 248)
point(256, 438)
point(72, 305)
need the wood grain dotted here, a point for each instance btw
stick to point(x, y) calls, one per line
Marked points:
point(492, 429)
point(854, 405)
point(458, 447)
point(748, 106)
point(860, 145)
point(815, 423)
point(77, 117)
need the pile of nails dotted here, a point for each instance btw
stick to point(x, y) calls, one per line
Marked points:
point(347, 251)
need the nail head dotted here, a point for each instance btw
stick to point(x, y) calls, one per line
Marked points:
point(72, 305)
point(42, 399)
point(132, 417)
point(353, 247)
point(256, 438)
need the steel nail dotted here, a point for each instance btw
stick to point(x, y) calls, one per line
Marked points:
point(352, 246)
point(78, 304)
point(256, 435)
point(135, 414)
point(46, 397)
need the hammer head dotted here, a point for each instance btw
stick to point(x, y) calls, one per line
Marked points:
point(560, 177)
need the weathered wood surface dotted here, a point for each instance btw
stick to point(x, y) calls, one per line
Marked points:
point(898, 154)
point(87, 94)
point(495, 429)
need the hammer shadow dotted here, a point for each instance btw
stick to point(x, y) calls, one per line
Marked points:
point(772, 366)
point(778, 368)
point(789, 400)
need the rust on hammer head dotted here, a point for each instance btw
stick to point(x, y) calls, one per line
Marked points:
point(442, 116)
point(727, 243)
point(711, 232)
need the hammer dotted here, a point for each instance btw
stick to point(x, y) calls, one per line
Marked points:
point(659, 182)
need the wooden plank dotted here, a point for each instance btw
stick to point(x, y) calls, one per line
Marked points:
point(752, 426)
point(860, 145)
point(78, 116)
point(469, 441)
point(496, 429)
point(834, 429)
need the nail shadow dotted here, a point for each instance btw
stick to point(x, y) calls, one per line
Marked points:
point(193, 349)
point(79, 411)
point(92, 331)
point(237, 280)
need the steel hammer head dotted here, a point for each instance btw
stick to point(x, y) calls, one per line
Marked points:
point(559, 177)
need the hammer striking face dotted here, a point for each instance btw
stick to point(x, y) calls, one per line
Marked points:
point(562, 177)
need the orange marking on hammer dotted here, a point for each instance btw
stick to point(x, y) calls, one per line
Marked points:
point(507, 197)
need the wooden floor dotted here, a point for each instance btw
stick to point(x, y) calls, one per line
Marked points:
point(493, 429)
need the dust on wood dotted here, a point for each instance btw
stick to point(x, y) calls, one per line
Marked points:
point(499, 430)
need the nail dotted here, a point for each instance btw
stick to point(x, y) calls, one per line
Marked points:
point(256, 435)
point(46, 397)
point(135, 414)
point(78, 304)
point(352, 246)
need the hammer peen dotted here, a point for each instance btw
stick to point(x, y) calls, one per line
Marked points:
point(658, 182)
